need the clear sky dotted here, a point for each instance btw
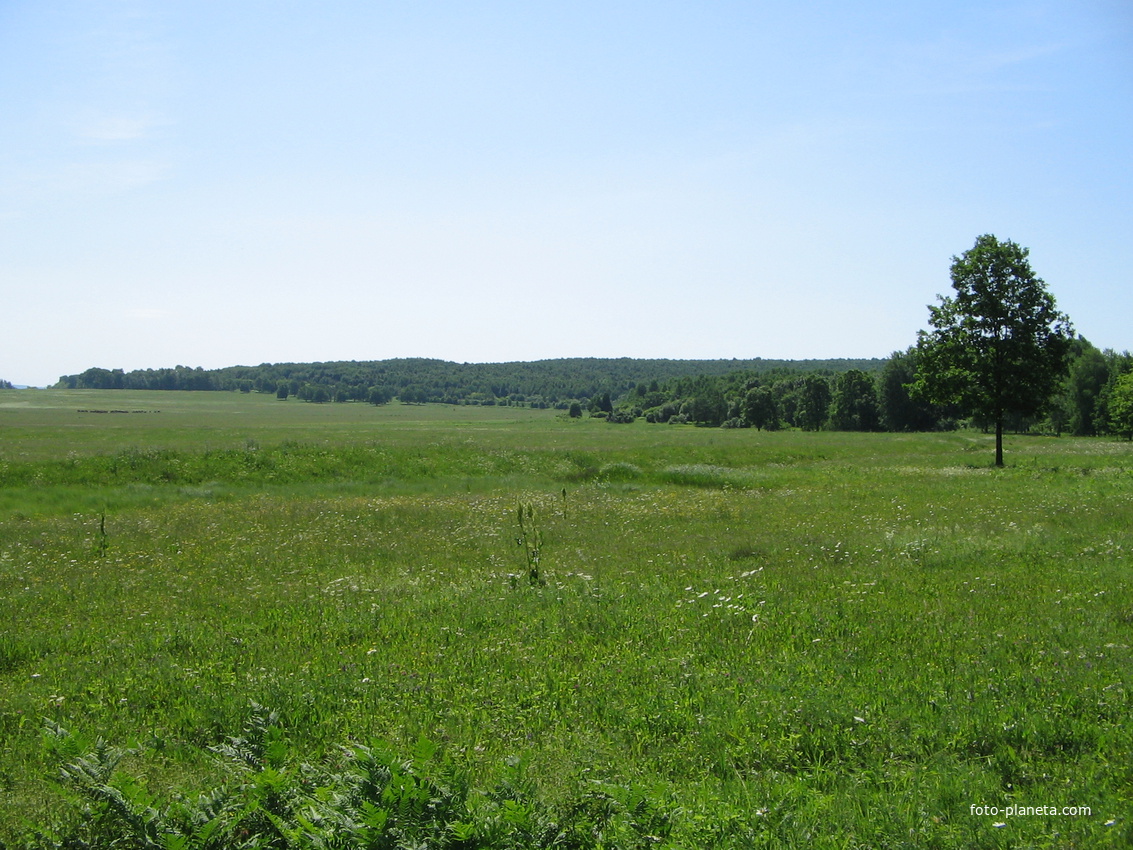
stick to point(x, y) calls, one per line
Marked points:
point(215, 183)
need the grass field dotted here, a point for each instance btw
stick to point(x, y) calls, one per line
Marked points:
point(702, 638)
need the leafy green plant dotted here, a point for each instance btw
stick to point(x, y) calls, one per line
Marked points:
point(368, 797)
point(116, 810)
point(102, 543)
point(530, 541)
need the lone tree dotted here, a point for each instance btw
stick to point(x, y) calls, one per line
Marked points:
point(998, 346)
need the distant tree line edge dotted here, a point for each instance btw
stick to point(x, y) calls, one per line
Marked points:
point(835, 395)
point(998, 356)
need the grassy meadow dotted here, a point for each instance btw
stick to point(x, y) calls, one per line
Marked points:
point(695, 637)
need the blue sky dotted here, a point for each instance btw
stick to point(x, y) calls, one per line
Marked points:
point(219, 183)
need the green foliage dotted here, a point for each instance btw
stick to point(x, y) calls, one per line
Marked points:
point(601, 403)
point(898, 408)
point(854, 405)
point(763, 394)
point(540, 384)
point(620, 471)
point(707, 406)
point(998, 347)
point(704, 475)
point(623, 416)
point(760, 410)
point(1117, 365)
point(1121, 406)
point(102, 541)
point(530, 540)
point(367, 797)
point(1075, 408)
point(813, 402)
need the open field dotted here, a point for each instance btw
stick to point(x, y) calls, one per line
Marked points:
point(731, 638)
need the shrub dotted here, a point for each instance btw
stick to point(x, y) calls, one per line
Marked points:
point(622, 417)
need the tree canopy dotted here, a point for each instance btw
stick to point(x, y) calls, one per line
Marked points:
point(999, 346)
point(1121, 405)
point(550, 383)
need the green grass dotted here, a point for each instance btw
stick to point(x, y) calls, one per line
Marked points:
point(779, 640)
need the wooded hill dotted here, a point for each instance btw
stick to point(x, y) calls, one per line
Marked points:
point(841, 394)
point(546, 383)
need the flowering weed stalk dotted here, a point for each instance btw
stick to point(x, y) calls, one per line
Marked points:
point(530, 540)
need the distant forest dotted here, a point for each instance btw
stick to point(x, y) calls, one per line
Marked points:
point(542, 383)
point(841, 394)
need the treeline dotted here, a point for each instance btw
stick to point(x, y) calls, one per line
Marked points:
point(842, 395)
point(855, 399)
point(544, 383)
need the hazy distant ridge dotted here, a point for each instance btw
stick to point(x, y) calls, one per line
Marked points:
point(426, 379)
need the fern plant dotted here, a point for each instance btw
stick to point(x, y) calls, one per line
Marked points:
point(368, 797)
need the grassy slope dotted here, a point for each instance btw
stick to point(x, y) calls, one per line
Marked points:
point(848, 637)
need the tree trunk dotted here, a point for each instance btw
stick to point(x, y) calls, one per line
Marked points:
point(999, 439)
